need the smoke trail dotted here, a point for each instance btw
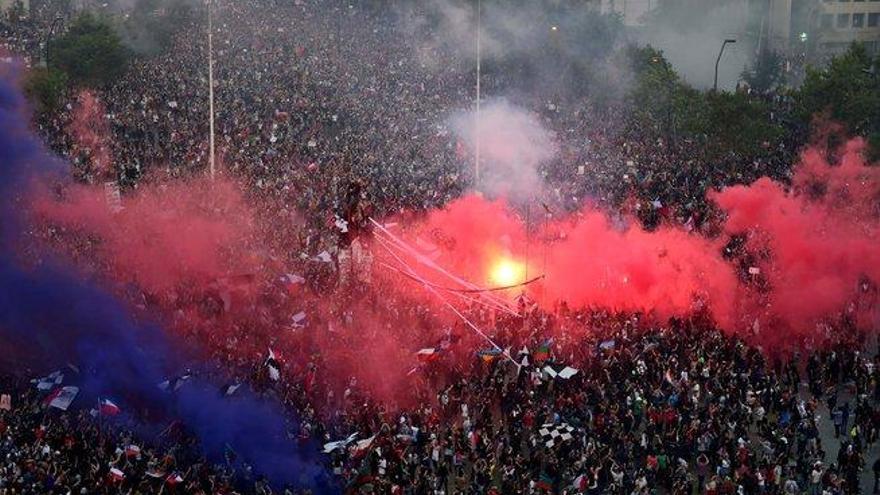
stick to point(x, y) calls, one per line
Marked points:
point(54, 317)
point(513, 146)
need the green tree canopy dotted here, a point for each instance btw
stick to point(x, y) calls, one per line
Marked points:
point(766, 71)
point(658, 98)
point(90, 52)
point(734, 122)
point(723, 122)
point(847, 91)
point(45, 87)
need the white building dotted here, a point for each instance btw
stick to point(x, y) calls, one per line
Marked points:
point(816, 28)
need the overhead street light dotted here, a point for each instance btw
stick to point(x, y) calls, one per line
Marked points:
point(721, 52)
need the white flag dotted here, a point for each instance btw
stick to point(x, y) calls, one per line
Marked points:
point(63, 397)
point(339, 444)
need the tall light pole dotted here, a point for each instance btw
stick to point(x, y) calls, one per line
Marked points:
point(477, 133)
point(211, 88)
point(718, 60)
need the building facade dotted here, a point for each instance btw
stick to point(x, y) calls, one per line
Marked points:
point(816, 29)
point(840, 23)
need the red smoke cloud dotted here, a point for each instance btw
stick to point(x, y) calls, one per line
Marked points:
point(187, 242)
point(821, 238)
point(816, 245)
point(184, 232)
point(586, 261)
point(89, 130)
point(819, 244)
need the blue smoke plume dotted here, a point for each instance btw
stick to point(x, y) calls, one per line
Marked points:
point(55, 317)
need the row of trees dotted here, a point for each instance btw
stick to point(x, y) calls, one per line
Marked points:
point(95, 50)
point(89, 54)
point(846, 91)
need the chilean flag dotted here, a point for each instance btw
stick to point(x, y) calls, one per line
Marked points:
point(108, 408)
point(427, 355)
point(116, 474)
point(173, 479)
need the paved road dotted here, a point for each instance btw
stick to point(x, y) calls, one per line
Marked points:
point(832, 445)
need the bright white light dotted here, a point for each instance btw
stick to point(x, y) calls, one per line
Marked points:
point(507, 272)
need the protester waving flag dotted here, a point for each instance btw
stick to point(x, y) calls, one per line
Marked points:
point(107, 408)
point(428, 354)
point(543, 351)
point(272, 366)
point(489, 355)
point(62, 397)
point(49, 382)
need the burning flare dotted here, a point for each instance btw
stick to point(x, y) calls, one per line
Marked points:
point(506, 272)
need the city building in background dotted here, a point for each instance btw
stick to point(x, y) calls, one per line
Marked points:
point(816, 29)
point(842, 22)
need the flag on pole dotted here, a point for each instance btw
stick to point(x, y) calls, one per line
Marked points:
point(49, 382)
point(339, 444)
point(543, 352)
point(427, 354)
point(581, 483)
point(107, 408)
point(61, 398)
point(155, 473)
point(567, 372)
point(488, 355)
point(173, 479)
point(230, 389)
point(607, 345)
point(272, 366)
point(173, 384)
point(523, 357)
point(116, 475)
point(299, 319)
point(362, 446)
point(553, 435)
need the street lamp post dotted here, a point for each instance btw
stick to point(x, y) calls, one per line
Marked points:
point(55, 22)
point(477, 133)
point(210, 89)
point(718, 60)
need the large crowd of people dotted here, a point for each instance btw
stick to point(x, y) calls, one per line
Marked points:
point(315, 98)
point(320, 94)
point(677, 408)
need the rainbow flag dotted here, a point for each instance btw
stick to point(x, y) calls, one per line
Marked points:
point(488, 355)
point(543, 352)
